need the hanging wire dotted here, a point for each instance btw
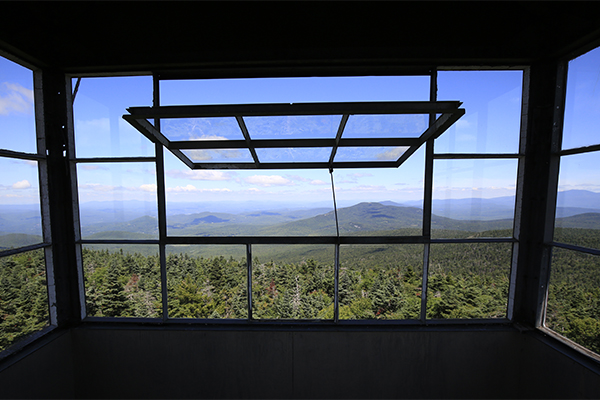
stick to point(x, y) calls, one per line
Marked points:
point(337, 226)
point(336, 275)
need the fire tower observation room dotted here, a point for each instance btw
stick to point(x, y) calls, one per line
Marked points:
point(300, 200)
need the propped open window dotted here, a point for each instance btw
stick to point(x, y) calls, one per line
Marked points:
point(295, 136)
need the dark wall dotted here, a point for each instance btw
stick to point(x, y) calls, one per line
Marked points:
point(148, 363)
point(47, 372)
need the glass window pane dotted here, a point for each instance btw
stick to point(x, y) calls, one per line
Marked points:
point(348, 154)
point(20, 217)
point(293, 127)
point(381, 201)
point(122, 280)
point(573, 308)
point(468, 280)
point(207, 281)
point(578, 203)
point(582, 107)
point(225, 128)
point(17, 118)
point(473, 196)
point(492, 101)
point(383, 126)
point(117, 200)
point(23, 296)
point(219, 155)
point(294, 154)
point(247, 202)
point(294, 90)
point(100, 130)
point(292, 282)
point(380, 281)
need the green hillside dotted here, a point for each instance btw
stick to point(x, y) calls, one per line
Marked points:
point(14, 240)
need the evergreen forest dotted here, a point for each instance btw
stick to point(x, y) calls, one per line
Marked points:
point(376, 282)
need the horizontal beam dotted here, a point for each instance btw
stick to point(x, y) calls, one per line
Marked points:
point(114, 159)
point(470, 156)
point(18, 154)
point(284, 143)
point(579, 150)
point(23, 249)
point(314, 240)
point(288, 109)
point(580, 249)
point(297, 165)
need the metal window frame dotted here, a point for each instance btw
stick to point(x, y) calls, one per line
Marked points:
point(140, 117)
point(558, 152)
point(40, 156)
point(448, 111)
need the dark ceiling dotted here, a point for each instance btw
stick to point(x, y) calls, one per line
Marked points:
point(292, 38)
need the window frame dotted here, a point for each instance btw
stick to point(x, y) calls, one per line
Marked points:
point(425, 239)
point(557, 152)
point(41, 158)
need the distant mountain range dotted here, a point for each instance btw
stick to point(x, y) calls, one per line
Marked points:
point(99, 220)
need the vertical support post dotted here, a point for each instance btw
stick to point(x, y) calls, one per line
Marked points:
point(162, 213)
point(249, 278)
point(427, 199)
point(545, 105)
point(336, 284)
point(55, 130)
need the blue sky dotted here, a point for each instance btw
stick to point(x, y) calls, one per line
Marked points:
point(492, 100)
point(491, 118)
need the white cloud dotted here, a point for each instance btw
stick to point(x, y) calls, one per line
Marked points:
point(24, 184)
point(392, 154)
point(15, 98)
point(150, 187)
point(207, 137)
point(214, 154)
point(200, 175)
point(318, 182)
point(192, 188)
point(298, 178)
point(269, 180)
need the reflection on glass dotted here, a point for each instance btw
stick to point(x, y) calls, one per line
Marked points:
point(17, 119)
point(473, 196)
point(20, 217)
point(578, 203)
point(380, 281)
point(492, 101)
point(381, 201)
point(292, 282)
point(349, 154)
point(247, 202)
point(382, 126)
point(573, 308)
point(294, 90)
point(468, 280)
point(207, 281)
point(225, 128)
point(295, 154)
point(122, 280)
point(218, 155)
point(100, 130)
point(293, 127)
point(117, 200)
point(23, 296)
point(582, 106)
